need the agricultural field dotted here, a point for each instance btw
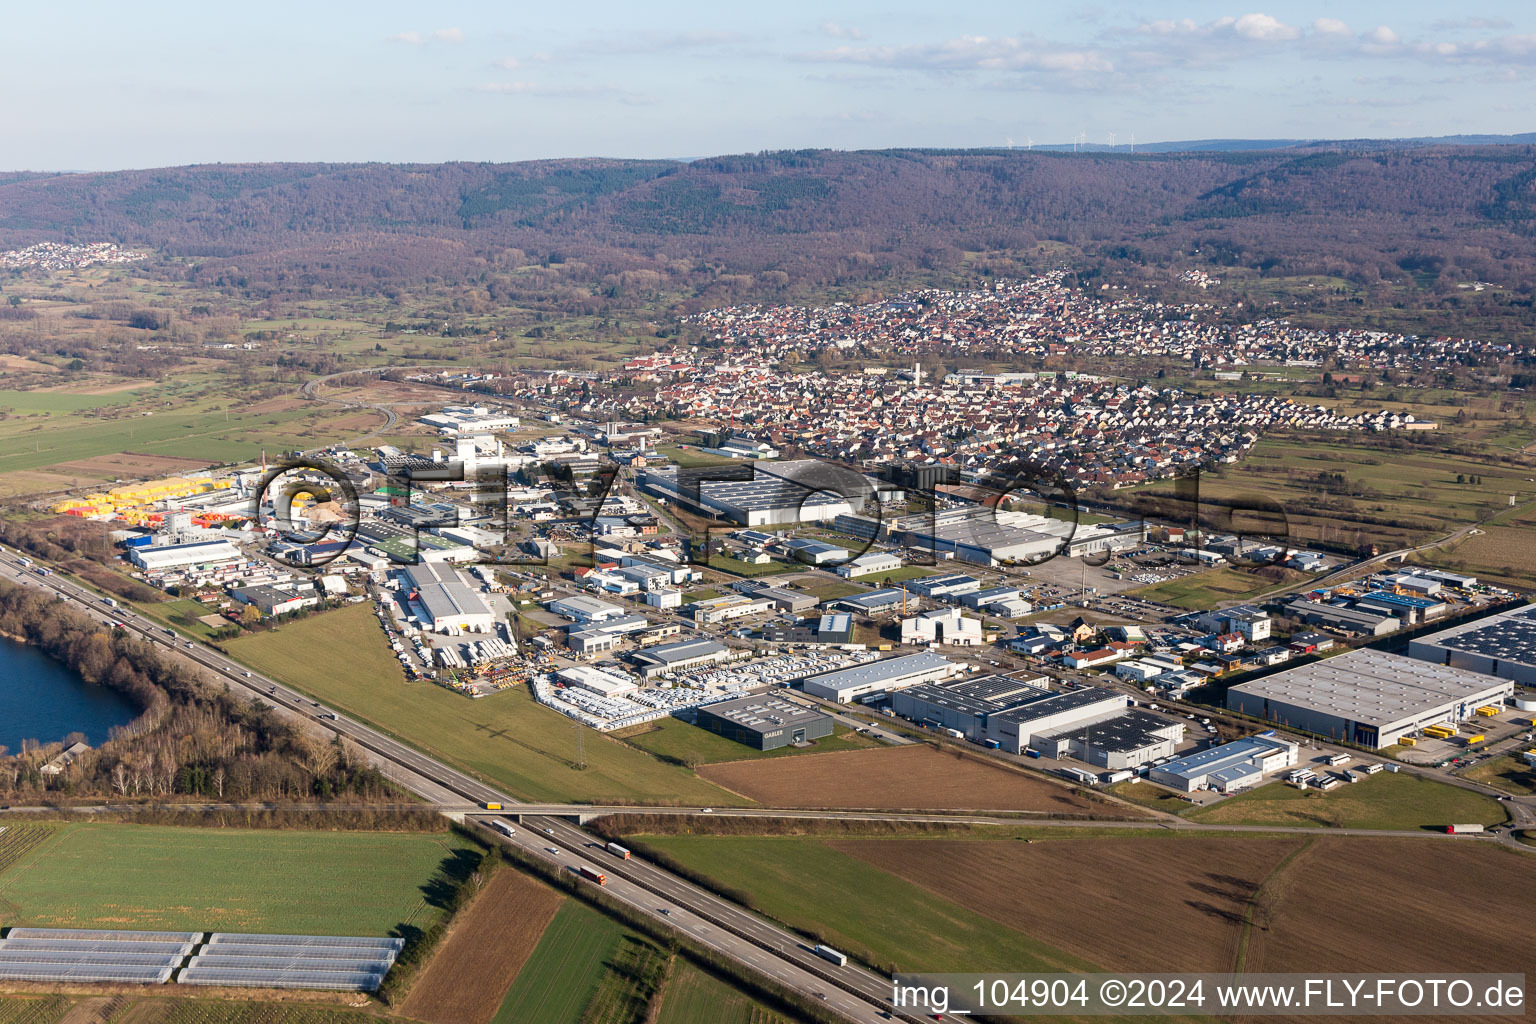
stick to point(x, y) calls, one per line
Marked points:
point(468, 977)
point(1208, 589)
point(34, 1009)
point(674, 740)
point(862, 779)
point(509, 739)
point(1382, 801)
point(1061, 894)
point(220, 1011)
point(695, 997)
point(1357, 495)
point(1340, 891)
point(812, 885)
point(567, 969)
point(154, 877)
point(1508, 773)
point(16, 840)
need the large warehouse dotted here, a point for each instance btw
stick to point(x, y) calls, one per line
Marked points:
point(204, 554)
point(1228, 767)
point(1367, 697)
point(964, 704)
point(442, 600)
point(1015, 729)
point(1500, 645)
point(777, 492)
point(1126, 740)
point(764, 722)
point(679, 656)
point(846, 684)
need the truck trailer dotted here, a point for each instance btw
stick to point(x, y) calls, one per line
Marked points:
point(618, 851)
point(1463, 830)
point(592, 875)
point(828, 953)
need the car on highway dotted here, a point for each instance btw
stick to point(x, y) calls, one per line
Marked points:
point(247, 675)
point(549, 831)
point(552, 849)
point(189, 645)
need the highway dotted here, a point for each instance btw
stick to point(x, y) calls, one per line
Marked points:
point(756, 943)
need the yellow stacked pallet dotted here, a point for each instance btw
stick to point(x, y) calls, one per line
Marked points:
point(1487, 711)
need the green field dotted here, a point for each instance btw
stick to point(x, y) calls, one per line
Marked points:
point(566, 969)
point(677, 740)
point(1508, 773)
point(340, 657)
point(1381, 801)
point(1205, 589)
point(695, 997)
point(858, 908)
point(1155, 797)
point(146, 876)
point(61, 401)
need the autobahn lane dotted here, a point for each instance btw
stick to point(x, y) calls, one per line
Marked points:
point(752, 941)
point(769, 947)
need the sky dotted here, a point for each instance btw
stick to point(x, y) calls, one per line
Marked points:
point(101, 86)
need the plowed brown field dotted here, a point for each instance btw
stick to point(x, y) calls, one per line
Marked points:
point(1126, 904)
point(473, 968)
point(911, 777)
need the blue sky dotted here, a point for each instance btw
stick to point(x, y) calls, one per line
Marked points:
point(112, 85)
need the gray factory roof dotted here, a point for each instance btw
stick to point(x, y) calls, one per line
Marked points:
point(1509, 638)
point(442, 592)
point(885, 670)
point(982, 695)
point(762, 713)
point(873, 599)
point(681, 651)
point(1370, 687)
point(1055, 703)
point(1121, 734)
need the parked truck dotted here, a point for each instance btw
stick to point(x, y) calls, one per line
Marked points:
point(828, 953)
point(1463, 830)
point(592, 875)
point(618, 851)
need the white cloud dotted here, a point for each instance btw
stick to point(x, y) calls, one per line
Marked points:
point(448, 35)
point(509, 64)
point(839, 31)
point(972, 53)
point(1265, 28)
point(411, 38)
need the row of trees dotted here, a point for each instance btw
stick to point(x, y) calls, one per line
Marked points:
point(191, 739)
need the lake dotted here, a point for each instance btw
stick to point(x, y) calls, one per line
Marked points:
point(42, 700)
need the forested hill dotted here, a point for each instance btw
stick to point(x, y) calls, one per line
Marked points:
point(796, 220)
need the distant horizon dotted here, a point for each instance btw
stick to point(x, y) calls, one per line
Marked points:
point(103, 85)
point(1167, 147)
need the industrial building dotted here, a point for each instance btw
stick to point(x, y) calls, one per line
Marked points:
point(874, 602)
point(939, 588)
point(964, 704)
point(1367, 697)
point(1126, 740)
point(815, 552)
point(1341, 619)
point(783, 598)
point(1228, 767)
point(1015, 729)
point(1500, 645)
point(606, 683)
point(870, 564)
point(442, 600)
point(992, 536)
point(678, 657)
point(585, 609)
point(271, 600)
point(208, 554)
point(773, 495)
point(942, 626)
point(847, 684)
point(832, 628)
point(731, 606)
point(764, 722)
